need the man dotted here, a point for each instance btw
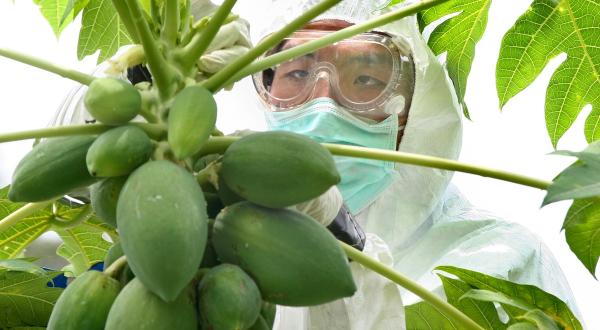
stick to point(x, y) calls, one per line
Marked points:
point(412, 213)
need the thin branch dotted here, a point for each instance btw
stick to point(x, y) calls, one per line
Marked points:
point(220, 144)
point(411, 286)
point(80, 77)
point(328, 40)
point(155, 131)
point(217, 81)
point(22, 213)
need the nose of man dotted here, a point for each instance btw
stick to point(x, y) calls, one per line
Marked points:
point(323, 86)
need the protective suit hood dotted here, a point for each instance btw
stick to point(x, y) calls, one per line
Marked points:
point(433, 128)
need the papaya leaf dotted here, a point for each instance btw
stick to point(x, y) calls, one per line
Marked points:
point(547, 29)
point(522, 326)
point(457, 36)
point(423, 316)
point(101, 29)
point(580, 180)
point(582, 231)
point(483, 313)
point(26, 299)
point(53, 11)
point(25, 265)
point(532, 314)
point(73, 8)
point(14, 239)
point(83, 246)
point(527, 294)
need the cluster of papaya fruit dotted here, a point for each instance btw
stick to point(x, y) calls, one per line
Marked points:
point(210, 246)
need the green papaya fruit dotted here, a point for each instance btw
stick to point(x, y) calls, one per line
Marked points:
point(192, 119)
point(104, 196)
point(85, 303)
point(226, 194)
point(51, 169)
point(278, 169)
point(136, 307)
point(268, 312)
point(114, 253)
point(294, 260)
point(118, 151)
point(228, 299)
point(162, 221)
point(112, 101)
point(260, 324)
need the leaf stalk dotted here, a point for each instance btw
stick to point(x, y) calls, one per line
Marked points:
point(39, 63)
point(410, 285)
point(22, 213)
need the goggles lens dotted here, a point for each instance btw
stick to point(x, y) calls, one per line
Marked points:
point(360, 73)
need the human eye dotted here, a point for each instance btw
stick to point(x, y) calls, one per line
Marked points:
point(297, 74)
point(368, 81)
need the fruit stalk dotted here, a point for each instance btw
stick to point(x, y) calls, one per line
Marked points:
point(25, 211)
point(411, 286)
point(162, 73)
point(155, 131)
point(114, 268)
point(330, 39)
point(217, 81)
point(48, 66)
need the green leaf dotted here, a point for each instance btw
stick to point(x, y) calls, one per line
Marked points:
point(547, 29)
point(457, 36)
point(16, 238)
point(423, 316)
point(582, 231)
point(532, 314)
point(101, 29)
point(528, 294)
point(53, 12)
point(73, 8)
point(83, 245)
point(22, 265)
point(483, 313)
point(580, 180)
point(522, 326)
point(26, 299)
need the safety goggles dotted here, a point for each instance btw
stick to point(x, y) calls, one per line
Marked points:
point(361, 74)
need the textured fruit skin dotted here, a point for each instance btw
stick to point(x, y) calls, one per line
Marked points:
point(51, 169)
point(228, 299)
point(192, 118)
point(112, 101)
point(278, 169)
point(293, 259)
point(162, 221)
point(104, 196)
point(138, 308)
point(85, 303)
point(118, 152)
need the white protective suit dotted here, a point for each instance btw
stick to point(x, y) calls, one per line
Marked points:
point(421, 221)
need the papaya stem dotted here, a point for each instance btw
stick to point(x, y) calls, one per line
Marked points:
point(412, 286)
point(22, 213)
point(155, 131)
point(115, 268)
point(200, 41)
point(85, 213)
point(329, 39)
point(127, 19)
point(162, 73)
point(218, 80)
point(171, 26)
point(217, 144)
point(75, 75)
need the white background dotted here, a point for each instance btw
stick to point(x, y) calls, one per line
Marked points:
point(513, 139)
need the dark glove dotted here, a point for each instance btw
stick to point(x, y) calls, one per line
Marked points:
point(345, 228)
